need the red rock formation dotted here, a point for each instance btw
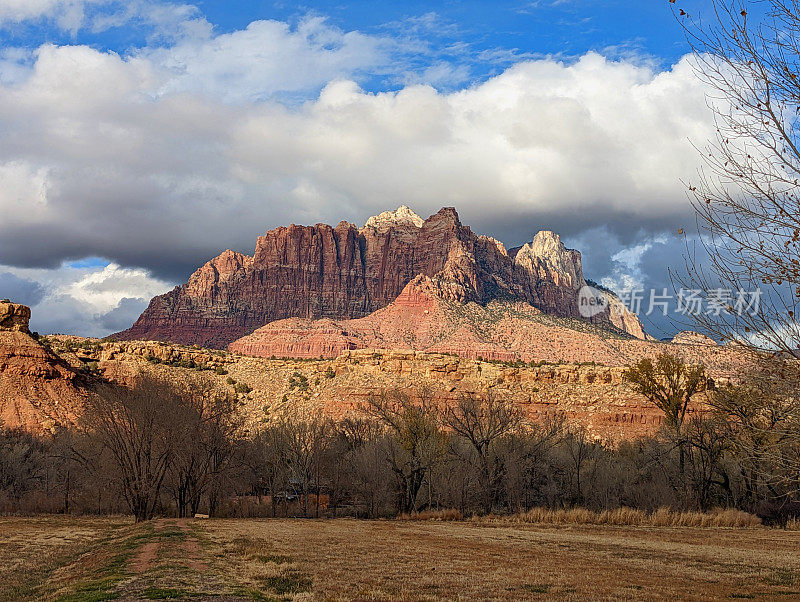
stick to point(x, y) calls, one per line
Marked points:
point(13, 316)
point(318, 271)
point(38, 390)
point(300, 338)
point(422, 320)
point(591, 395)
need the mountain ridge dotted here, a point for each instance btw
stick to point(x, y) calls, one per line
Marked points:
point(345, 272)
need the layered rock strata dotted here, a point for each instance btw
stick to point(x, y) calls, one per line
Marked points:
point(420, 319)
point(591, 395)
point(343, 272)
point(38, 390)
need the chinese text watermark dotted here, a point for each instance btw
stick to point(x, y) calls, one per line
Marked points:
point(713, 302)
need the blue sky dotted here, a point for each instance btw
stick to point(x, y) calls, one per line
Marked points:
point(140, 138)
point(566, 27)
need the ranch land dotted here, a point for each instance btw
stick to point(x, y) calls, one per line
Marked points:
point(86, 558)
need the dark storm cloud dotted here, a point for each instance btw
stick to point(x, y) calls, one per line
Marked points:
point(20, 290)
point(122, 316)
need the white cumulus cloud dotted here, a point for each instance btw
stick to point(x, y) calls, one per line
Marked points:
point(119, 157)
point(88, 301)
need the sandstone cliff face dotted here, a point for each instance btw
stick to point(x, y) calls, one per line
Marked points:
point(594, 396)
point(13, 316)
point(423, 320)
point(547, 260)
point(38, 390)
point(312, 272)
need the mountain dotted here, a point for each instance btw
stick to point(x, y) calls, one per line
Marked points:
point(345, 272)
point(421, 319)
point(502, 330)
point(38, 390)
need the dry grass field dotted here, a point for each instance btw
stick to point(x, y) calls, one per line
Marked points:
point(66, 558)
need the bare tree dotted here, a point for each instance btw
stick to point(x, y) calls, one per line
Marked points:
point(762, 420)
point(581, 450)
point(305, 440)
point(23, 464)
point(747, 203)
point(526, 450)
point(746, 199)
point(218, 442)
point(268, 463)
point(141, 428)
point(416, 444)
point(345, 438)
point(480, 421)
point(369, 475)
point(705, 450)
point(186, 472)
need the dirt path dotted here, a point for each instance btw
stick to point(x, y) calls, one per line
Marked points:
point(145, 558)
point(193, 551)
point(172, 562)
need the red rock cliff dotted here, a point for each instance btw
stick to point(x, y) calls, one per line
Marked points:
point(313, 272)
point(38, 390)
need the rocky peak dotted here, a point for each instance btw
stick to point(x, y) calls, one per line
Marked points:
point(403, 215)
point(229, 262)
point(445, 248)
point(547, 242)
point(444, 229)
point(14, 316)
point(493, 242)
point(220, 269)
point(342, 272)
point(546, 258)
point(445, 214)
point(38, 390)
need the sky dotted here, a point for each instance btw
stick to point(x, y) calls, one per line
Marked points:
point(139, 139)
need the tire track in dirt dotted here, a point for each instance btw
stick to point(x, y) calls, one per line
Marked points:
point(145, 559)
point(191, 547)
point(171, 559)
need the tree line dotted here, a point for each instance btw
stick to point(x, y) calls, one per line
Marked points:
point(155, 449)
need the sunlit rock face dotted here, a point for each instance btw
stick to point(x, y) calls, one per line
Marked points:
point(346, 272)
point(38, 390)
point(13, 316)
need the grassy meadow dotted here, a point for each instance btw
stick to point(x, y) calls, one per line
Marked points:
point(70, 558)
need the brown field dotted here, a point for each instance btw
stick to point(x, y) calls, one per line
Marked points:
point(67, 558)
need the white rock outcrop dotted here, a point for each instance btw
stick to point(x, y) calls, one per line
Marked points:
point(402, 215)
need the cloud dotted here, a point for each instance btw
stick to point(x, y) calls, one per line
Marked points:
point(122, 316)
point(88, 301)
point(20, 290)
point(627, 272)
point(103, 290)
point(153, 161)
point(637, 267)
point(269, 58)
point(69, 15)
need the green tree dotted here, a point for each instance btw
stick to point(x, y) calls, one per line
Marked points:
point(669, 383)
